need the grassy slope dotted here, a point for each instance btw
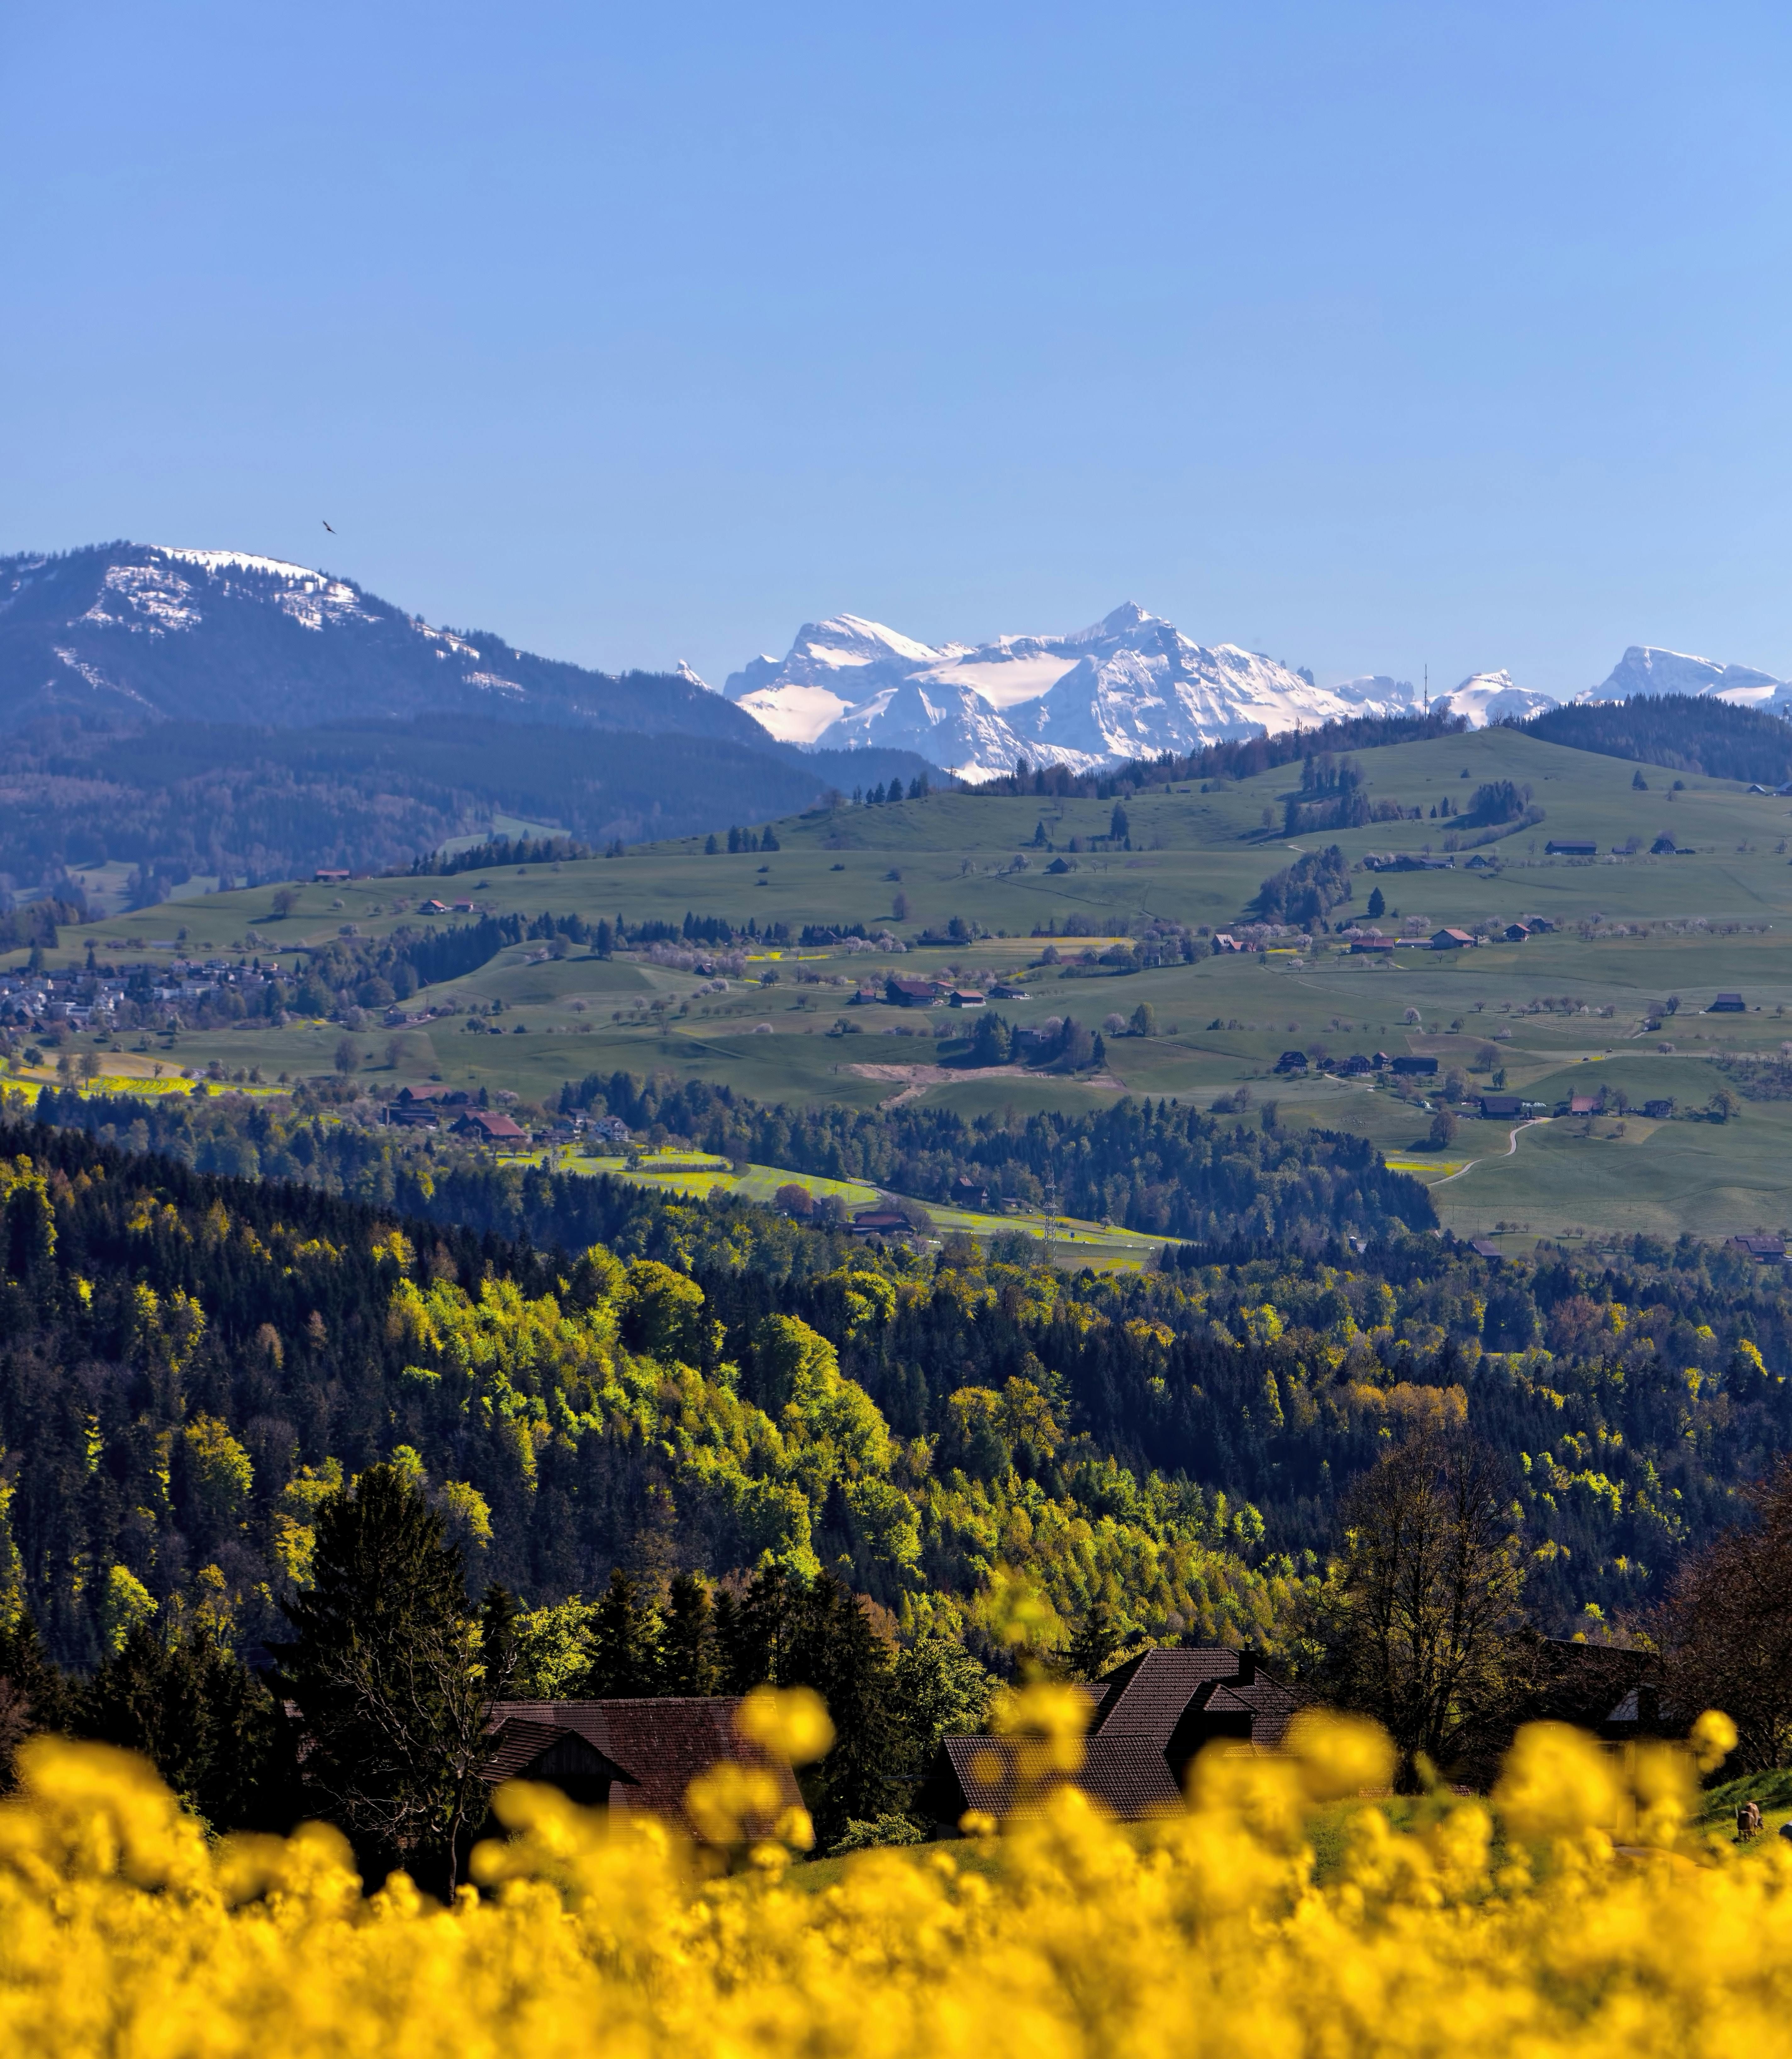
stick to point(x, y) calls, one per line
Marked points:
point(1199, 858)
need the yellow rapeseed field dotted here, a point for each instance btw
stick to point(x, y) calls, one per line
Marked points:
point(123, 1932)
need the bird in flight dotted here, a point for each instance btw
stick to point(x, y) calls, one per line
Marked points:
point(326, 525)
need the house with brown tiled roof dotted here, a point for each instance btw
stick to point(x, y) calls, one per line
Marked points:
point(491, 1128)
point(1152, 1718)
point(632, 1758)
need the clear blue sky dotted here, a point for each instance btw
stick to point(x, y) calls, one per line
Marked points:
point(1366, 335)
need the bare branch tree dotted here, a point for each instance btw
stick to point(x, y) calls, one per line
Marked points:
point(1432, 1579)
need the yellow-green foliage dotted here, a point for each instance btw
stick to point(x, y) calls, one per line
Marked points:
point(122, 1931)
point(940, 1516)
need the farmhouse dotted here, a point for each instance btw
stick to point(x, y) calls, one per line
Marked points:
point(1452, 940)
point(1416, 1066)
point(1500, 1104)
point(1517, 933)
point(1151, 1716)
point(489, 1128)
point(879, 1222)
point(632, 1758)
point(1769, 1250)
point(1558, 847)
point(903, 992)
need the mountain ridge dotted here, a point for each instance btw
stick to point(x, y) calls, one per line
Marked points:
point(160, 632)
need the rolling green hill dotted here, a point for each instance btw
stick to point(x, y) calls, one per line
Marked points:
point(1559, 1013)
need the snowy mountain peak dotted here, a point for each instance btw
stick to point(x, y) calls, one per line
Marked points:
point(1491, 697)
point(1646, 669)
point(1130, 686)
point(1128, 617)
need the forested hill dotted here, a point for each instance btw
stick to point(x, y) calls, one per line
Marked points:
point(1682, 732)
point(260, 804)
point(187, 1363)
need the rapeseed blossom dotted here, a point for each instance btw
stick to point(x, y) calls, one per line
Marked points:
point(1607, 1928)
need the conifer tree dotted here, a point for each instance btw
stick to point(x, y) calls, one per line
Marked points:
point(384, 1669)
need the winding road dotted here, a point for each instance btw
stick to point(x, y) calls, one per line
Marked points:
point(1462, 1171)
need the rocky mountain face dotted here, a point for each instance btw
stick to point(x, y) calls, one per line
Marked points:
point(139, 630)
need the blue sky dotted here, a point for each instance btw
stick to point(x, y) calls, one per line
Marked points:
point(1369, 336)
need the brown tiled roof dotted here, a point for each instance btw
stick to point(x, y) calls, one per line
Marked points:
point(1147, 1695)
point(1152, 1715)
point(659, 1745)
point(527, 1750)
point(1128, 1776)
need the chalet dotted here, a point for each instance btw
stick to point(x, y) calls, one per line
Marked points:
point(965, 997)
point(1494, 1105)
point(1224, 941)
point(969, 1193)
point(1517, 933)
point(1727, 1004)
point(1769, 1250)
point(486, 1127)
point(1413, 1066)
point(431, 907)
point(609, 1128)
point(632, 1758)
point(1665, 847)
point(1452, 940)
point(900, 991)
point(1356, 1065)
point(1150, 1718)
point(1291, 1061)
point(1659, 1111)
point(1559, 847)
point(1540, 925)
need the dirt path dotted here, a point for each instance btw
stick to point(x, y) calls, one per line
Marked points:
point(1511, 1146)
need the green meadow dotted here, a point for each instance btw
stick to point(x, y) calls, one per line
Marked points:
point(1559, 1014)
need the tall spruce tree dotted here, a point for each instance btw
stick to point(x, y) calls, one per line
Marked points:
point(385, 1669)
point(689, 1659)
point(624, 1642)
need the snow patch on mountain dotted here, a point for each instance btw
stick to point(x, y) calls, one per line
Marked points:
point(147, 600)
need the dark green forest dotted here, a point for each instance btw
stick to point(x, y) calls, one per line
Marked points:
point(1680, 732)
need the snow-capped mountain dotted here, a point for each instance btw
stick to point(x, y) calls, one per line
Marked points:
point(1645, 669)
point(1131, 685)
point(1491, 697)
point(148, 631)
